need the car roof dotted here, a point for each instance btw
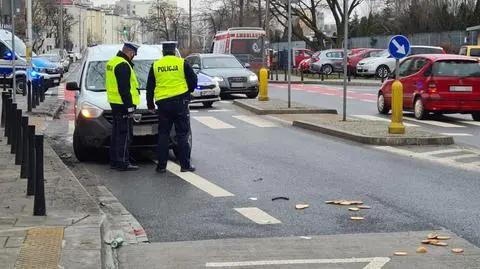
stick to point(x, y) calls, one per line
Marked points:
point(437, 57)
point(426, 47)
point(208, 55)
point(106, 52)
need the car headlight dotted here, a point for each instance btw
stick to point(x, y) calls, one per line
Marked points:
point(219, 79)
point(253, 77)
point(90, 111)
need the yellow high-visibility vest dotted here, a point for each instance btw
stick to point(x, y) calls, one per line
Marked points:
point(169, 77)
point(113, 94)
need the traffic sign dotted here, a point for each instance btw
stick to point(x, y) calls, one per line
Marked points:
point(399, 47)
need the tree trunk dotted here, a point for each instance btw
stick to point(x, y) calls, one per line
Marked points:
point(240, 17)
point(259, 13)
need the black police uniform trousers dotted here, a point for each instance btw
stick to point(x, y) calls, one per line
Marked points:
point(121, 138)
point(173, 111)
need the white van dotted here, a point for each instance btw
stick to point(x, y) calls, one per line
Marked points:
point(41, 68)
point(93, 114)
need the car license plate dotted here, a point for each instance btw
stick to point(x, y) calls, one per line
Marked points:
point(460, 88)
point(237, 85)
point(206, 93)
point(56, 81)
point(145, 129)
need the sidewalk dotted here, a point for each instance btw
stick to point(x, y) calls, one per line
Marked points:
point(331, 80)
point(69, 236)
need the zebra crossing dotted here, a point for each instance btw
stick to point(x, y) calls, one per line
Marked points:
point(234, 121)
point(450, 127)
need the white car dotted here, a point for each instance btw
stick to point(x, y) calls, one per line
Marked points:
point(383, 64)
point(207, 91)
point(93, 114)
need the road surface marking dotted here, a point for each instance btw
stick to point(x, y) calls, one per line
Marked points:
point(436, 123)
point(194, 111)
point(427, 156)
point(370, 94)
point(219, 110)
point(255, 120)
point(226, 102)
point(373, 263)
point(466, 155)
point(376, 118)
point(470, 122)
point(369, 101)
point(213, 122)
point(61, 91)
point(198, 181)
point(257, 215)
point(327, 93)
point(456, 134)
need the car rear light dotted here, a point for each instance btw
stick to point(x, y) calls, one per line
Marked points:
point(316, 59)
point(432, 87)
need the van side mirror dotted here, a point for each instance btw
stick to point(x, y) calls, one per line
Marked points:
point(196, 66)
point(72, 86)
point(7, 55)
point(246, 65)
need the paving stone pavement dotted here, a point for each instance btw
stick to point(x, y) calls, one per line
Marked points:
point(68, 205)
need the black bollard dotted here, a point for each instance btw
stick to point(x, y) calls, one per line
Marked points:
point(301, 76)
point(24, 92)
point(37, 93)
point(39, 201)
point(11, 126)
point(24, 168)
point(19, 135)
point(13, 131)
point(4, 101)
point(322, 75)
point(29, 96)
point(285, 74)
point(8, 104)
point(4, 82)
point(34, 94)
point(31, 160)
point(42, 90)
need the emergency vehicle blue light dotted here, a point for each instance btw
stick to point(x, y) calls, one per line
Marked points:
point(34, 74)
point(9, 54)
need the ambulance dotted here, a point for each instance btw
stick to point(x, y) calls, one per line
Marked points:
point(245, 43)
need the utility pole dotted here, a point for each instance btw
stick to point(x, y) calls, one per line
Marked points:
point(289, 61)
point(345, 55)
point(61, 29)
point(29, 41)
point(267, 36)
point(14, 56)
point(190, 21)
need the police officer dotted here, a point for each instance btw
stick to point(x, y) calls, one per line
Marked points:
point(123, 96)
point(170, 82)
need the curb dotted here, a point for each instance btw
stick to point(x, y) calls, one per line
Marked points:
point(260, 111)
point(59, 108)
point(325, 82)
point(374, 140)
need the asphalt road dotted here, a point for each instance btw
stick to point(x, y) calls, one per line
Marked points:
point(243, 161)
point(361, 103)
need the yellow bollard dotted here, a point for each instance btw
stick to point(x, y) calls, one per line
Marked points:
point(396, 126)
point(263, 85)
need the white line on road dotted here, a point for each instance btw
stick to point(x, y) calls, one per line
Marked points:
point(376, 118)
point(198, 181)
point(368, 101)
point(470, 122)
point(257, 215)
point(373, 263)
point(456, 134)
point(370, 94)
point(436, 123)
point(194, 111)
point(219, 110)
point(436, 152)
point(466, 155)
point(255, 120)
point(226, 102)
point(327, 93)
point(213, 123)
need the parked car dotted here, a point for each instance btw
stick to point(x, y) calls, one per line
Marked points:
point(51, 69)
point(472, 51)
point(93, 114)
point(231, 75)
point(304, 66)
point(207, 91)
point(438, 83)
point(327, 61)
point(300, 54)
point(358, 50)
point(64, 59)
point(363, 54)
point(56, 59)
point(382, 65)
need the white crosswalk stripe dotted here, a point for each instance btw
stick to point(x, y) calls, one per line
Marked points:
point(213, 122)
point(255, 120)
point(435, 123)
point(376, 118)
point(257, 215)
point(457, 134)
point(61, 91)
point(470, 122)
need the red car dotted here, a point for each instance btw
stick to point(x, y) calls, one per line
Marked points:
point(355, 58)
point(438, 83)
point(304, 66)
point(301, 54)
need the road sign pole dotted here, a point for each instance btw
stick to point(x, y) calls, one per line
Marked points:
point(345, 53)
point(14, 55)
point(397, 69)
point(289, 61)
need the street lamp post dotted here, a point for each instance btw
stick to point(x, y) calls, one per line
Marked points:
point(61, 29)
point(345, 52)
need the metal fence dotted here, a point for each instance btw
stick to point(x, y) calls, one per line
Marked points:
point(450, 39)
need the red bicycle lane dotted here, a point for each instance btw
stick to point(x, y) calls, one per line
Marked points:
point(366, 97)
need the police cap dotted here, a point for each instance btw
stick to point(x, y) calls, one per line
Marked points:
point(169, 45)
point(131, 46)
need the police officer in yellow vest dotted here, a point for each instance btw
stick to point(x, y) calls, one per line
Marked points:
point(123, 96)
point(170, 82)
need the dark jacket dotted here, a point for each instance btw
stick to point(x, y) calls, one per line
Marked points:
point(190, 77)
point(122, 73)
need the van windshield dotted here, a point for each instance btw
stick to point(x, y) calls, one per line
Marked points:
point(456, 68)
point(20, 48)
point(95, 76)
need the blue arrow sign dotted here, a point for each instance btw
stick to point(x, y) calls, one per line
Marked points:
point(399, 47)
